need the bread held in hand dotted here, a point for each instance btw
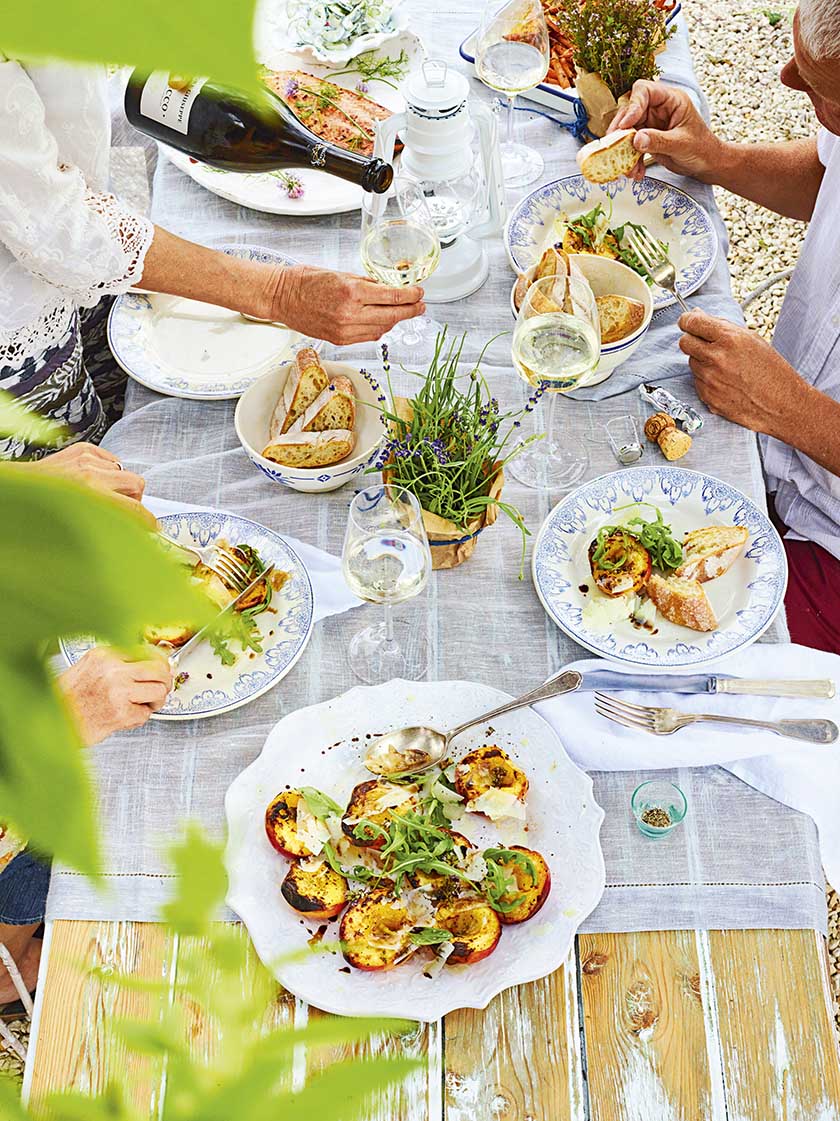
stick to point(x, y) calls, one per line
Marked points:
point(609, 158)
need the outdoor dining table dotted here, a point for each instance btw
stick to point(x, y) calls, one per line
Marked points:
point(722, 1014)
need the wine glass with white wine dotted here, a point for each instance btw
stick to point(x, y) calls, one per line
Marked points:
point(400, 247)
point(556, 341)
point(511, 56)
point(386, 559)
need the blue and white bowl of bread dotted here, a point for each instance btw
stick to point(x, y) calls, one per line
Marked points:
point(624, 299)
point(310, 425)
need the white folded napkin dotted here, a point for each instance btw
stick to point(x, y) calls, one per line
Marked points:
point(802, 776)
point(332, 596)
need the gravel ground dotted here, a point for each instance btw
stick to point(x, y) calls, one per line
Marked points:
point(738, 53)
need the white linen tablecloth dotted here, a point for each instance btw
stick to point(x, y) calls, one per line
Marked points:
point(483, 623)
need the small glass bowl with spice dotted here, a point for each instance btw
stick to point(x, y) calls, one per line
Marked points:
point(658, 807)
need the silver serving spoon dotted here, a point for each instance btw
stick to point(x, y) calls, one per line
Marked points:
point(409, 750)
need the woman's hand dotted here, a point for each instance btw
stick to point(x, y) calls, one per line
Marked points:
point(87, 463)
point(107, 694)
point(338, 306)
point(669, 127)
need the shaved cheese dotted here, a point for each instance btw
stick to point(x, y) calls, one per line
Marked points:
point(312, 863)
point(333, 824)
point(388, 799)
point(311, 832)
point(644, 612)
point(498, 804)
point(442, 954)
point(476, 868)
point(603, 611)
point(418, 907)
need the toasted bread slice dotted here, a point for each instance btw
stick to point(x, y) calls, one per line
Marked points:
point(606, 159)
point(711, 551)
point(682, 602)
point(310, 449)
point(334, 408)
point(307, 379)
point(620, 316)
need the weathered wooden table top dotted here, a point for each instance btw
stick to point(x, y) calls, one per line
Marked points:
point(659, 1026)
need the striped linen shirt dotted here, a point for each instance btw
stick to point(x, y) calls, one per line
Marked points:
point(808, 336)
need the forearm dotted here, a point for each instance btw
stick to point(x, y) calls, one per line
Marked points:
point(784, 177)
point(811, 424)
point(182, 268)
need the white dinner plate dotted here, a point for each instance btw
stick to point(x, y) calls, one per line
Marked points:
point(745, 599)
point(322, 193)
point(669, 215)
point(322, 746)
point(185, 348)
point(285, 628)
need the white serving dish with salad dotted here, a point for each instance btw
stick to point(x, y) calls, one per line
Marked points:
point(733, 599)
point(330, 32)
point(589, 217)
point(254, 650)
point(559, 819)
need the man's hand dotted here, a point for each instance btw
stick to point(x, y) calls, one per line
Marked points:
point(87, 463)
point(741, 377)
point(669, 127)
point(108, 694)
point(338, 306)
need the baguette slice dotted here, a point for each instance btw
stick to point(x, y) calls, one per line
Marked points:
point(606, 159)
point(620, 316)
point(682, 602)
point(310, 449)
point(307, 378)
point(711, 551)
point(334, 408)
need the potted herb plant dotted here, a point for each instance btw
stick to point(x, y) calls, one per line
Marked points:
point(614, 43)
point(448, 445)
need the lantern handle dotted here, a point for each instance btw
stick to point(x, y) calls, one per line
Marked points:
point(493, 218)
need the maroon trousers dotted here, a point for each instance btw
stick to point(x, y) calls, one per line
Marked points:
point(813, 596)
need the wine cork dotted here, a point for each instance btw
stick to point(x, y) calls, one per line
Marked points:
point(657, 424)
point(674, 444)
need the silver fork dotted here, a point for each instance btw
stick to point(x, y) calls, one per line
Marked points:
point(655, 262)
point(227, 566)
point(664, 721)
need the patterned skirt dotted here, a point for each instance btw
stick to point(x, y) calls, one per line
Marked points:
point(75, 382)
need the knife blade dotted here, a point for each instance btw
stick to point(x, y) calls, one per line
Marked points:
point(176, 656)
point(699, 683)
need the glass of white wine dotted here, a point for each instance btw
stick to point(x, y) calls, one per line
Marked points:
point(400, 247)
point(386, 559)
point(556, 341)
point(511, 56)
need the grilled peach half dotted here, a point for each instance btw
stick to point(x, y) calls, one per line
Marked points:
point(489, 768)
point(624, 567)
point(281, 825)
point(375, 930)
point(365, 802)
point(318, 892)
point(534, 892)
point(474, 926)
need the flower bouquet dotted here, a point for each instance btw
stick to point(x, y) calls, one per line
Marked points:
point(614, 43)
point(448, 445)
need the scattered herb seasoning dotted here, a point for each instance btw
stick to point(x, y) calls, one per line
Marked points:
point(656, 817)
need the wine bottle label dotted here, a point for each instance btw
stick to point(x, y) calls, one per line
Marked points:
point(168, 99)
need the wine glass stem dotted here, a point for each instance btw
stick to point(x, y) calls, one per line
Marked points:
point(389, 643)
point(551, 422)
point(510, 112)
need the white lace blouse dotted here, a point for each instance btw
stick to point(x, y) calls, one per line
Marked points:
point(64, 240)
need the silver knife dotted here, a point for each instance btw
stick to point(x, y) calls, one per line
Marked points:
point(698, 683)
point(199, 636)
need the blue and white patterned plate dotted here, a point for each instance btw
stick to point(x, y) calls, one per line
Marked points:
point(285, 628)
point(668, 213)
point(184, 348)
point(745, 599)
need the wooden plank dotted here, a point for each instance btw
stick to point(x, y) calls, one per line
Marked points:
point(648, 1029)
point(518, 1059)
point(418, 1098)
point(74, 1048)
point(779, 1051)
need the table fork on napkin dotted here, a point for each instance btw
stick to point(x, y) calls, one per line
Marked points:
point(665, 721)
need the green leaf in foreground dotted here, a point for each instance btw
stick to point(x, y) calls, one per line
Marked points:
point(202, 884)
point(18, 421)
point(212, 37)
